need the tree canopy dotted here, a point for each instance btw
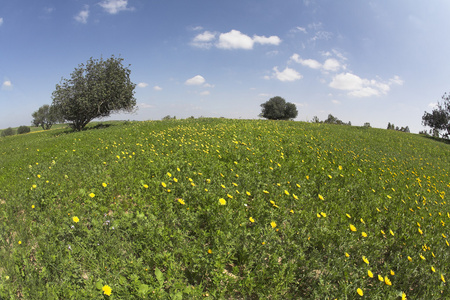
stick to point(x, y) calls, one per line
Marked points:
point(439, 118)
point(45, 117)
point(95, 90)
point(277, 108)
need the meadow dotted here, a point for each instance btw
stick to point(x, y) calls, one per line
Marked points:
point(224, 209)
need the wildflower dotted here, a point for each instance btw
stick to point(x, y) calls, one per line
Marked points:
point(229, 196)
point(387, 281)
point(145, 186)
point(360, 292)
point(286, 192)
point(174, 179)
point(32, 206)
point(248, 193)
point(321, 197)
point(92, 195)
point(370, 273)
point(409, 258)
point(168, 174)
point(348, 216)
point(364, 234)
point(222, 201)
point(209, 251)
point(392, 273)
point(20, 242)
point(422, 257)
point(104, 184)
point(442, 278)
point(323, 214)
point(181, 201)
point(291, 211)
point(34, 186)
point(365, 259)
point(352, 227)
point(163, 184)
point(383, 232)
point(75, 219)
point(107, 290)
point(251, 220)
point(432, 269)
point(391, 232)
point(347, 255)
point(273, 224)
point(265, 192)
point(403, 296)
point(420, 231)
point(380, 278)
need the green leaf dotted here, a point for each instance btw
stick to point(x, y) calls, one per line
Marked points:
point(99, 284)
point(159, 276)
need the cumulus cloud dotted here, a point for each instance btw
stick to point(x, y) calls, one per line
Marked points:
point(142, 85)
point(330, 64)
point(204, 40)
point(287, 74)
point(196, 80)
point(157, 88)
point(233, 39)
point(115, 6)
point(360, 87)
point(83, 15)
point(7, 85)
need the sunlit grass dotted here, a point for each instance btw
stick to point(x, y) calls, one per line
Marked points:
point(224, 208)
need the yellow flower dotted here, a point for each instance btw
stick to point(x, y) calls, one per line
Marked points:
point(347, 255)
point(34, 186)
point(432, 269)
point(107, 290)
point(422, 257)
point(323, 214)
point(229, 196)
point(387, 281)
point(75, 219)
point(360, 292)
point(222, 201)
point(392, 273)
point(286, 192)
point(442, 278)
point(104, 184)
point(382, 232)
point(181, 201)
point(145, 186)
point(321, 197)
point(291, 211)
point(348, 216)
point(273, 224)
point(352, 227)
point(370, 273)
point(380, 278)
point(174, 179)
point(365, 259)
point(265, 192)
point(32, 206)
point(420, 231)
point(251, 219)
point(92, 195)
point(168, 174)
point(403, 296)
point(163, 184)
point(209, 251)
point(409, 258)
point(20, 242)
point(391, 232)
point(248, 193)
point(364, 234)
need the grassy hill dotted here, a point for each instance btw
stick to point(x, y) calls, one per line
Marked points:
point(225, 209)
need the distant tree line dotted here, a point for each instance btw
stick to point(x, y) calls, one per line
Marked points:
point(330, 120)
point(393, 127)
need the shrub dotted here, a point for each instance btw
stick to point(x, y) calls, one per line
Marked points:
point(23, 129)
point(8, 131)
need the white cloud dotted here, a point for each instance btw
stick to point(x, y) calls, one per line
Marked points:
point(157, 88)
point(205, 93)
point(1, 21)
point(433, 105)
point(196, 80)
point(235, 40)
point(396, 80)
point(359, 87)
point(331, 64)
point(115, 6)
point(142, 85)
point(271, 40)
point(83, 15)
point(145, 105)
point(204, 40)
point(334, 101)
point(287, 74)
point(7, 85)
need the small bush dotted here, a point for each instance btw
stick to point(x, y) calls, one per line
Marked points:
point(23, 129)
point(8, 131)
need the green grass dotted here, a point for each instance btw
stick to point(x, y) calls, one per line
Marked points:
point(151, 225)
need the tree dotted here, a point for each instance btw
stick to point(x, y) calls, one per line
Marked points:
point(95, 90)
point(23, 129)
point(8, 131)
point(45, 117)
point(277, 108)
point(439, 118)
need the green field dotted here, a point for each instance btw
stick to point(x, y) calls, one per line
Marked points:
point(224, 209)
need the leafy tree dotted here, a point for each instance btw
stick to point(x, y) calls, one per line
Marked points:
point(439, 118)
point(45, 117)
point(8, 131)
point(95, 90)
point(277, 108)
point(23, 129)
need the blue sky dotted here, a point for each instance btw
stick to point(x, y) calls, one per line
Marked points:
point(362, 61)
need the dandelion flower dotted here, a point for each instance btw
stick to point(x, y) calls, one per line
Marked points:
point(222, 201)
point(364, 234)
point(365, 259)
point(104, 184)
point(323, 214)
point(174, 179)
point(251, 220)
point(432, 269)
point(32, 206)
point(442, 278)
point(370, 273)
point(392, 273)
point(321, 197)
point(181, 201)
point(273, 224)
point(92, 195)
point(387, 281)
point(391, 232)
point(107, 290)
point(286, 192)
point(422, 257)
point(348, 216)
point(347, 255)
point(248, 193)
point(352, 227)
point(19, 242)
point(380, 278)
point(168, 174)
point(209, 251)
point(403, 296)
point(75, 219)
point(163, 184)
point(409, 258)
point(360, 292)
